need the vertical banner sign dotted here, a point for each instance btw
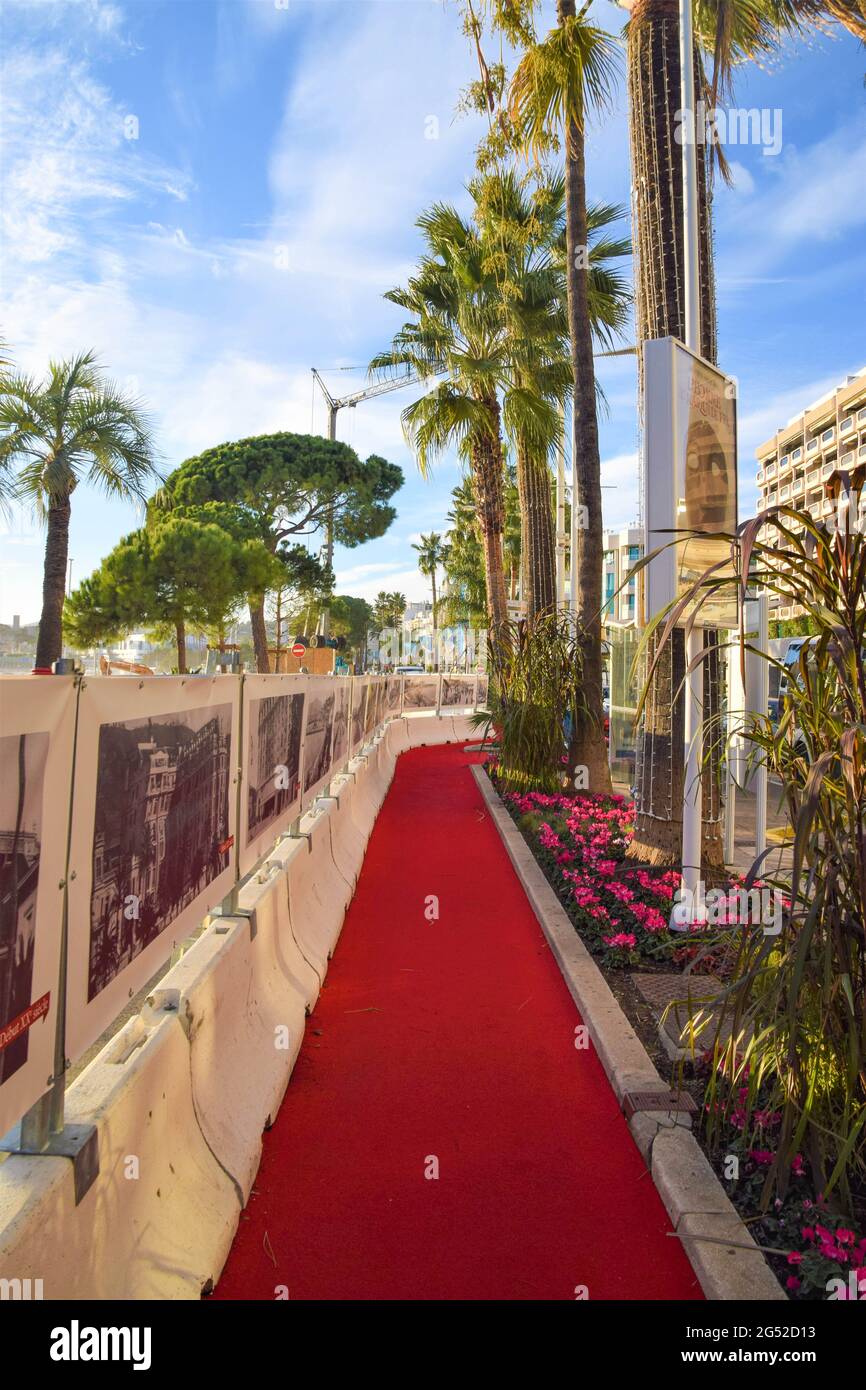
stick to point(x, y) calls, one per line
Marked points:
point(370, 708)
point(153, 833)
point(458, 692)
point(272, 731)
point(360, 685)
point(393, 696)
point(420, 694)
point(37, 732)
point(342, 714)
point(379, 702)
point(482, 690)
point(690, 476)
point(321, 703)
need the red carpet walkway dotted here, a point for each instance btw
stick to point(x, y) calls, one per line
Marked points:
point(449, 1040)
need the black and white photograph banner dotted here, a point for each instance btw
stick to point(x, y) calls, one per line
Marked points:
point(393, 696)
point(360, 686)
point(420, 694)
point(342, 712)
point(321, 698)
point(37, 731)
point(153, 832)
point(273, 723)
point(458, 692)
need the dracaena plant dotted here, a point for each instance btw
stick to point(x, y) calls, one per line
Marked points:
point(796, 997)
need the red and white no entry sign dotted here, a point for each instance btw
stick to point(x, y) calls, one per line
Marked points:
point(299, 649)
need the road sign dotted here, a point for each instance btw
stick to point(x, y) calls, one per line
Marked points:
point(299, 649)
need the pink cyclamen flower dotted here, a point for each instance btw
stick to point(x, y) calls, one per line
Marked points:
point(623, 939)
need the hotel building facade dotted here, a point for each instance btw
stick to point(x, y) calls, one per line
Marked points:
point(803, 463)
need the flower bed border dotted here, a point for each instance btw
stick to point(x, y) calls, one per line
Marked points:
point(725, 1258)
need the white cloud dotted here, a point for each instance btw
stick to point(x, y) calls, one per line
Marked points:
point(621, 484)
point(742, 180)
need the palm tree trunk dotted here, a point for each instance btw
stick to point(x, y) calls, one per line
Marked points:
point(588, 745)
point(260, 633)
point(654, 99)
point(487, 484)
point(49, 644)
point(538, 553)
point(180, 638)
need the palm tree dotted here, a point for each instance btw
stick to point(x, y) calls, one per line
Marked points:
point(388, 609)
point(522, 227)
point(431, 554)
point(453, 331)
point(557, 85)
point(73, 426)
point(464, 598)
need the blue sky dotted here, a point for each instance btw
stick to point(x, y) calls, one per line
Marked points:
point(281, 158)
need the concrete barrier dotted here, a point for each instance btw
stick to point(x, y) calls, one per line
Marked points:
point(160, 1218)
point(243, 1043)
point(318, 894)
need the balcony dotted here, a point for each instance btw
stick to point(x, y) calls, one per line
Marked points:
point(814, 477)
point(812, 446)
point(846, 425)
point(770, 471)
point(861, 416)
point(847, 460)
point(771, 499)
point(827, 437)
point(760, 478)
point(827, 470)
point(828, 506)
point(798, 486)
point(784, 493)
point(797, 455)
point(784, 462)
point(861, 454)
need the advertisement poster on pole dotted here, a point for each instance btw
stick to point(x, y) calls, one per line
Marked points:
point(690, 476)
point(37, 719)
point(153, 833)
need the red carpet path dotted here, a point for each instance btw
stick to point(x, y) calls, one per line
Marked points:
point(454, 1039)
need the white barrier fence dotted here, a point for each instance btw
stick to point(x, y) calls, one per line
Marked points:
point(131, 808)
point(180, 1096)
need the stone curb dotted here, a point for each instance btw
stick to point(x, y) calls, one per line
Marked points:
point(701, 1213)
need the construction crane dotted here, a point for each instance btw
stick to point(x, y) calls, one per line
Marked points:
point(334, 404)
point(379, 388)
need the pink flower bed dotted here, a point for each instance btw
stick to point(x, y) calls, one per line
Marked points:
point(621, 909)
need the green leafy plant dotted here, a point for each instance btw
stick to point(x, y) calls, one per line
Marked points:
point(536, 700)
point(796, 1000)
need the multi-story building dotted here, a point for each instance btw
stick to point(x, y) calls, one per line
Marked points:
point(804, 462)
point(622, 549)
